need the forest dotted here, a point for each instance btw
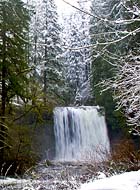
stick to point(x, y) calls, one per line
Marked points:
point(89, 56)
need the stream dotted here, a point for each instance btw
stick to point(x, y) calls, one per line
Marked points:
point(50, 176)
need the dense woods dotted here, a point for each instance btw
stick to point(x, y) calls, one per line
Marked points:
point(92, 57)
point(14, 68)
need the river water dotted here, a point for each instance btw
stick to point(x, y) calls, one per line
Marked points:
point(52, 176)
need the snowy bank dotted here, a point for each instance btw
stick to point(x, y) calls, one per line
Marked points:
point(7, 181)
point(125, 181)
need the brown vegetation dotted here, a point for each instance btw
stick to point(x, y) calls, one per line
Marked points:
point(123, 157)
point(125, 153)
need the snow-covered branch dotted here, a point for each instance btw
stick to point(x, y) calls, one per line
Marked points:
point(126, 87)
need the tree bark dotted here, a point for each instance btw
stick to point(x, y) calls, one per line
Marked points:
point(45, 71)
point(3, 89)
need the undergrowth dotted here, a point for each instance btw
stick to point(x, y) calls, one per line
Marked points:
point(19, 155)
point(123, 157)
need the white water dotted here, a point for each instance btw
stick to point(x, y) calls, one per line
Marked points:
point(80, 134)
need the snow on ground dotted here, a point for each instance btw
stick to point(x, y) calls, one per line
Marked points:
point(125, 181)
point(12, 181)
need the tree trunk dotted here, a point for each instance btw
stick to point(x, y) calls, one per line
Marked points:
point(45, 73)
point(3, 89)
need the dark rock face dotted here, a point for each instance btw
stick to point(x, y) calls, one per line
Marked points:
point(41, 133)
point(44, 141)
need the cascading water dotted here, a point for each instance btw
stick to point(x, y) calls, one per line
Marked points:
point(80, 133)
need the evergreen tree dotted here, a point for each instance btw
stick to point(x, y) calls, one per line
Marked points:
point(126, 81)
point(46, 50)
point(106, 56)
point(14, 20)
point(77, 62)
point(116, 49)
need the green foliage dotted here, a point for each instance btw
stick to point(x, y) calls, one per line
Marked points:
point(14, 27)
point(104, 60)
point(47, 58)
point(14, 69)
point(103, 70)
point(19, 154)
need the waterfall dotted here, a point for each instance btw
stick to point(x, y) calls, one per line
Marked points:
point(80, 134)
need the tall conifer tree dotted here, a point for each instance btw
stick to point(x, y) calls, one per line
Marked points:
point(77, 62)
point(46, 50)
point(14, 20)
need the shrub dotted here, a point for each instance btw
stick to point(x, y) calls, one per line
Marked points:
point(126, 155)
point(19, 154)
point(123, 157)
